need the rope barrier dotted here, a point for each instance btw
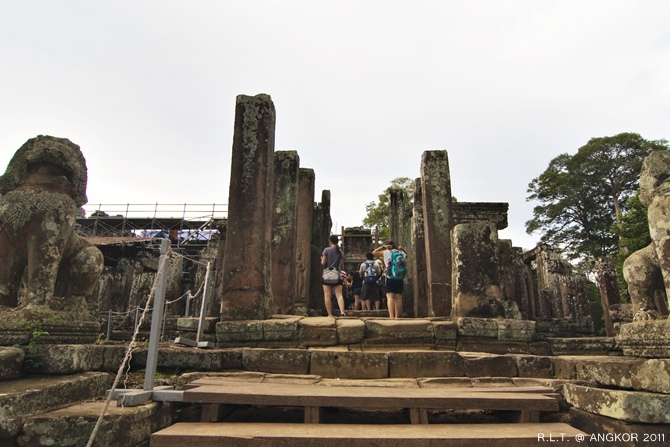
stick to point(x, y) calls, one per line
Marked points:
point(127, 356)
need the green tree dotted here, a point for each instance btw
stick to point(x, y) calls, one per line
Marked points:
point(581, 197)
point(378, 212)
point(633, 233)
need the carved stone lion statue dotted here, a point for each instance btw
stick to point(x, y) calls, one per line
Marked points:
point(40, 192)
point(647, 271)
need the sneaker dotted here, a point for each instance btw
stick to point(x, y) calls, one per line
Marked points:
point(343, 314)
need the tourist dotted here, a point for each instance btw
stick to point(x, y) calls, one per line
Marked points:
point(381, 285)
point(332, 256)
point(370, 272)
point(394, 259)
point(356, 286)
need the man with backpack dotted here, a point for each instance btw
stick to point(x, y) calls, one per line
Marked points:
point(396, 268)
point(370, 272)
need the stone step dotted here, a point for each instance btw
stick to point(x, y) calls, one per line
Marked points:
point(73, 425)
point(35, 395)
point(353, 435)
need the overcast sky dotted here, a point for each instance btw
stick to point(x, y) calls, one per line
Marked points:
point(361, 89)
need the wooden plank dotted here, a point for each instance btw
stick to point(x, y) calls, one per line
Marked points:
point(358, 435)
point(280, 394)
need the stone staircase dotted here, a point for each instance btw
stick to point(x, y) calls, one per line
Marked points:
point(54, 395)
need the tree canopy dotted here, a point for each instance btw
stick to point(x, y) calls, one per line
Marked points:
point(378, 212)
point(582, 196)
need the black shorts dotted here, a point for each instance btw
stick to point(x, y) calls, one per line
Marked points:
point(370, 291)
point(393, 285)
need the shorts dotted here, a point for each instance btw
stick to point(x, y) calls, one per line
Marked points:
point(357, 291)
point(393, 285)
point(370, 291)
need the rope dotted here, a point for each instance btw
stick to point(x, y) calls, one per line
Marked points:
point(127, 357)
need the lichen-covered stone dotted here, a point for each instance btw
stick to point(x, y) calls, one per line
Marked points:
point(516, 330)
point(72, 426)
point(11, 363)
point(318, 331)
point(648, 270)
point(240, 331)
point(438, 221)
point(279, 361)
point(44, 184)
point(247, 272)
point(282, 329)
point(34, 395)
point(477, 327)
point(632, 406)
point(350, 332)
point(425, 364)
point(490, 366)
point(399, 331)
point(350, 365)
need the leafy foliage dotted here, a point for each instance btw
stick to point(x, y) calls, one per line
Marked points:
point(633, 233)
point(378, 212)
point(581, 197)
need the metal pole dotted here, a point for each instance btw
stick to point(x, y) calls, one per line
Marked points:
point(109, 324)
point(205, 304)
point(156, 318)
point(188, 303)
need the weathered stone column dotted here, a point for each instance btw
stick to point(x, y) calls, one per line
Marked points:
point(247, 279)
point(287, 164)
point(303, 255)
point(419, 255)
point(437, 221)
point(513, 276)
point(475, 270)
point(320, 233)
point(609, 290)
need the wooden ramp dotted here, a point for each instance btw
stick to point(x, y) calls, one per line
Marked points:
point(223, 434)
point(519, 406)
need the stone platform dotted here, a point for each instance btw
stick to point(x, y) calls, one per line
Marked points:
point(499, 336)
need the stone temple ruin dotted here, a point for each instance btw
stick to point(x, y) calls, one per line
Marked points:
point(490, 334)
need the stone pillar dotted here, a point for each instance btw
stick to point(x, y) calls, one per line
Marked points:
point(286, 166)
point(475, 271)
point(321, 232)
point(303, 255)
point(419, 255)
point(437, 222)
point(513, 276)
point(609, 291)
point(247, 291)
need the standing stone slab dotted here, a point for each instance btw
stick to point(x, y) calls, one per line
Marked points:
point(631, 406)
point(287, 164)
point(303, 249)
point(247, 278)
point(420, 280)
point(437, 221)
point(475, 270)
